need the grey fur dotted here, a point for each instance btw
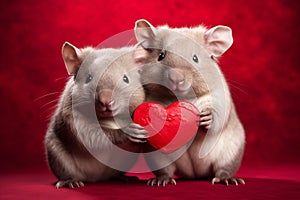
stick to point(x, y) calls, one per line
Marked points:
point(74, 136)
point(218, 146)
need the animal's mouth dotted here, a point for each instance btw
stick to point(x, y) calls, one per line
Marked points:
point(103, 111)
point(180, 92)
point(106, 113)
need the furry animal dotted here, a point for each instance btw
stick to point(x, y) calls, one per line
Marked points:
point(91, 136)
point(181, 63)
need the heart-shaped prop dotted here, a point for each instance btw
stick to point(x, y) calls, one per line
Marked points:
point(168, 128)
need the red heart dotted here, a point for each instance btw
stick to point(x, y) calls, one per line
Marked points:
point(168, 128)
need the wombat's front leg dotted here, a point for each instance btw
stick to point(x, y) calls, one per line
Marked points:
point(135, 133)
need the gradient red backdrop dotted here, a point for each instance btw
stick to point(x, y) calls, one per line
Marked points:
point(261, 67)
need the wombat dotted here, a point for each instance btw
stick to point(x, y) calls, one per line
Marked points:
point(84, 141)
point(181, 63)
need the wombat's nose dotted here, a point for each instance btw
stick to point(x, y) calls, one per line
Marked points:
point(105, 99)
point(176, 77)
point(106, 104)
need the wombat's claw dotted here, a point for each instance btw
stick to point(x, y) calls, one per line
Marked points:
point(233, 181)
point(69, 184)
point(205, 119)
point(132, 139)
point(161, 181)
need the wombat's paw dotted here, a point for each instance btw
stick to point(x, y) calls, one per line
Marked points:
point(227, 181)
point(69, 184)
point(136, 133)
point(206, 118)
point(161, 180)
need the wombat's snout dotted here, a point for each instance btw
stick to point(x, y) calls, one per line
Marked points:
point(177, 79)
point(105, 100)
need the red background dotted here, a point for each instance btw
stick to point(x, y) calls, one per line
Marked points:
point(262, 68)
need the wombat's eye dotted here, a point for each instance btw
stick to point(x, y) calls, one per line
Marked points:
point(195, 59)
point(125, 79)
point(88, 78)
point(161, 56)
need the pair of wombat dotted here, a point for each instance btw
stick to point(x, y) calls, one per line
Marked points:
point(91, 132)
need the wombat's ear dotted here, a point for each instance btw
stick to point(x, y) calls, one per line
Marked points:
point(218, 40)
point(145, 33)
point(73, 57)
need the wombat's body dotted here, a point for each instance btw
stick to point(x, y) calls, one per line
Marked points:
point(184, 62)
